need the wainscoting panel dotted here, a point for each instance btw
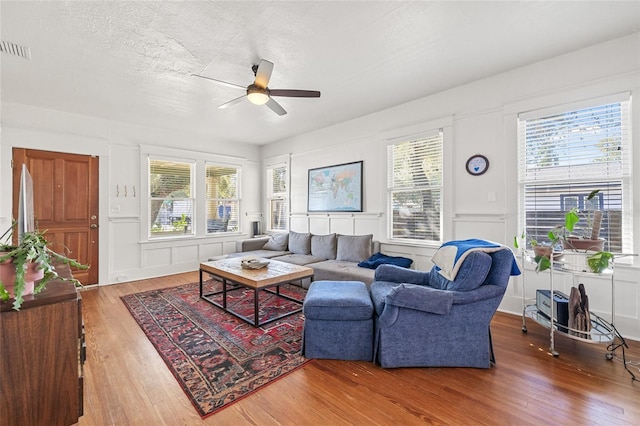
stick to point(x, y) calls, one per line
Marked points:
point(421, 255)
point(487, 226)
point(228, 247)
point(342, 225)
point(127, 233)
point(156, 257)
point(367, 225)
point(299, 223)
point(319, 225)
point(338, 223)
point(185, 254)
point(209, 250)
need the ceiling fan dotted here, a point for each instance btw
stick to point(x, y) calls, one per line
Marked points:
point(258, 92)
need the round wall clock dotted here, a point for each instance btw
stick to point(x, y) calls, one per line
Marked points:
point(477, 165)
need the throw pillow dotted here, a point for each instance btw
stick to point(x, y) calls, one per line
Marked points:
point(299, 243)
point(354, 248)
point(277, 242)
point(323, 246)
point(472, 273)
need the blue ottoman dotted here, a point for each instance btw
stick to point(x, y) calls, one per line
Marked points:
point(338, 321)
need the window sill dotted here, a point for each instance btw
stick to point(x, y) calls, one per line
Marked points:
point(189, 238)
point(414, 243)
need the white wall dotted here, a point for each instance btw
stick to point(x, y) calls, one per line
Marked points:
point(483, 120)
point(125, 254)
point(478, 117)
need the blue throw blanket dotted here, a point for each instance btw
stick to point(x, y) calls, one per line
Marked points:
point(381, 259)
point(450, 255)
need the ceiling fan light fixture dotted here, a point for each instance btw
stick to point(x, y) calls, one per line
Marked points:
point(257, 95)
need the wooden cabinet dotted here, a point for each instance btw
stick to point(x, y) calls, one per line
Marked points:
point(41, 357)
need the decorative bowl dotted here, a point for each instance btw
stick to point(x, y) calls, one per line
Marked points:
point(253, 263)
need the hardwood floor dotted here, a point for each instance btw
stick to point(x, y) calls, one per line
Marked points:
point(127, 383)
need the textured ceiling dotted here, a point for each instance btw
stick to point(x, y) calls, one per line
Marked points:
point(132, 61)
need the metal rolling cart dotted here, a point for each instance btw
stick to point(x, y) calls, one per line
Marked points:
point(602, 331)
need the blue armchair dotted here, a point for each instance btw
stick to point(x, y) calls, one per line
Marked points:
point(424, 320)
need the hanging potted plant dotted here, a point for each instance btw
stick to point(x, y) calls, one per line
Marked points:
point(27, 267)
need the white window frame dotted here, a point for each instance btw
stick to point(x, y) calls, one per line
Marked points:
point(437, 187)
point(190, 229)
point(580, 180)
point(235, 222)
point(282, 197)
point(200, 160)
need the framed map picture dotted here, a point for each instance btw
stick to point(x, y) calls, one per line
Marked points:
point(336, 188)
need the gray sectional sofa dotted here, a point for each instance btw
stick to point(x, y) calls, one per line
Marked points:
point(332, 257)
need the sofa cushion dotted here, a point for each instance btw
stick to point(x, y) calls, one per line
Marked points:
point(250, 244)
point(471, 275)
point(298, 259)
point(354, 248)
point(336, 270)
point(265, 254)
point(277, 242)
point(299, 243)
point(324, 246)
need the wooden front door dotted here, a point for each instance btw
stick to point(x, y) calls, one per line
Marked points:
point(65, 198)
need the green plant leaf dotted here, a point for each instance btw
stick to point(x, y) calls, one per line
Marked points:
point(4, 294)
point(598, 262)
point(570, 219)
point(32, 248)
point(543, 263)
point(592, 194)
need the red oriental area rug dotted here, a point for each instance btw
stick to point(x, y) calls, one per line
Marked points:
point(216, 357)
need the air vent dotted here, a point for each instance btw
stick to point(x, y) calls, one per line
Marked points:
point(15, 49)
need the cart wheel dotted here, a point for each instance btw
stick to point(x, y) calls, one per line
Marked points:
point(608, 356)
point(524, 328)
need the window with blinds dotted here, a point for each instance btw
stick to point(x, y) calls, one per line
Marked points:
point(277, 197)
point(415, 189)
point(171, 199)
point(223, 200)
point(566, 155)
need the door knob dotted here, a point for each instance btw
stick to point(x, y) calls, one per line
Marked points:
point(93, 226)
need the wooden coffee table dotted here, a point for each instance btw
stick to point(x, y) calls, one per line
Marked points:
point(273, 275)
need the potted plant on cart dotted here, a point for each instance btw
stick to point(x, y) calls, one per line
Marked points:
point(586, 238)
point(585, 242)
point(27, 262)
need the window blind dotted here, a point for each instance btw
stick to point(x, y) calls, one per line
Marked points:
point(566, 155)
point(170, 198)
point(277, 195)
point(169, 179)
point(223, 203)
point(414, 184)
point(277, 178)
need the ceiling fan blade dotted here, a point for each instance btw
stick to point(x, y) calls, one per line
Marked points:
point(263, 74)
point(232, 102)
point(293, 93)
point(224, 83)
point(275, 107)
